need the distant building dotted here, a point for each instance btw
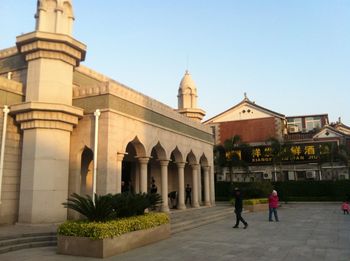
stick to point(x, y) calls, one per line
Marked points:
point(311, 147)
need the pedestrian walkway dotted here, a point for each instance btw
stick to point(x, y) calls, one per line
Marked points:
point(305, 232)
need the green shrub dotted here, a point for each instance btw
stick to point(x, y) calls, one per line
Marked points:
point(108, 207)
point(311, 190)
point(306, 190)
point(224, 190)
point(101, 210)
point(113, 228)
point(129, 204)
point(255, 201)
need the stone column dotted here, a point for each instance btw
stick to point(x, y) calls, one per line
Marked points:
point(195, 185)
point(136, 173)
point(120, 157)
point(206, 186)
point(143, 174)
point(199, 176)
point(58, 25)
point(212, 186)
point(181, 175)
point(164, 174)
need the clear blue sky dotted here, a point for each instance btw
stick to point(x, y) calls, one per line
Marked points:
point(292, 57)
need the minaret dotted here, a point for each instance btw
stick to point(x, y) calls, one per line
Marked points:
point(187, 99)
point(47, 116)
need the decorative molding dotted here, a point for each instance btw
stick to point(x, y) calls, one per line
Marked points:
point(8, 52)
point(32, 115)
point(108, 86)
point(37, 45)
point(44, 124)
point(11, 86)
point(131, 110)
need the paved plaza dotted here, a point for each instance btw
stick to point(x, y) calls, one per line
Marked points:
point(305, 232)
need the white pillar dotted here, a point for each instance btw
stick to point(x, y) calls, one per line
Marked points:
point(212, 186)
point(120, 157)
point(97, 114)
point(3, 141)
point(206, 186)
point(164, 176)
point(181, 175)
point(195, 185)
point(143, 174)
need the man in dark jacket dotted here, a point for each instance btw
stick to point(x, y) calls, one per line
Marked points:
point(239, 208)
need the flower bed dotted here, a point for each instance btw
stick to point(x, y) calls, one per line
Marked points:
point(257, 204)
point(104, 239)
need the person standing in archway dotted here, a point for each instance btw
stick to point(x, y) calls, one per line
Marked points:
point(188, 194)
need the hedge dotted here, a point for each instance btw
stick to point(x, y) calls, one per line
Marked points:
point(325, 190)
point(308, 190)
point(113, 228)
point(250, 190)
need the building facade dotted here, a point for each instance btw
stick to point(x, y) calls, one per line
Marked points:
point(275, 147)
point(68, 129)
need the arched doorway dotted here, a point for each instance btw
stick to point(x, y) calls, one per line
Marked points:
point(87, 172)
point(131, 170)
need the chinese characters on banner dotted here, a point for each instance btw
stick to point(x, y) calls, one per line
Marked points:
point(297, 153)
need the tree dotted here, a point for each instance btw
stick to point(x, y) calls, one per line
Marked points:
point(229, 154)
point(280, 151)
point(276, 154)
point(332, 153)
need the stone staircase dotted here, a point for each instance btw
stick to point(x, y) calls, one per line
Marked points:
point(182, 220)
point(30, 240)
point(18, 237)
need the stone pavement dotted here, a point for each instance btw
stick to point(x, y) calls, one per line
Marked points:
point(306, 232)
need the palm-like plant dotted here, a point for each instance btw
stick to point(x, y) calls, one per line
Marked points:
point(129, 204)
point(100, 210)
point(227, 155)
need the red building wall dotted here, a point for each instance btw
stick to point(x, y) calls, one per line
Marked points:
point(256, 130)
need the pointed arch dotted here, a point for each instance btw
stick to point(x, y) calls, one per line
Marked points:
point(176, 155)
point(191, 158)
point(136, 148)
point(203, 161)
point(158, 152)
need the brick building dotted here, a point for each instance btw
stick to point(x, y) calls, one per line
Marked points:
point(311, 147)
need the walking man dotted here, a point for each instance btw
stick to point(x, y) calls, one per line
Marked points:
point(239, 209)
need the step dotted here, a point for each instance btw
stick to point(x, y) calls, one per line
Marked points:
point(16, 247)
point(205, 216)
point(197, 223)
point(22, 240)
point(28, 235)
point(181, 221)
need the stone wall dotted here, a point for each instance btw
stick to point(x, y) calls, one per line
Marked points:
point(10, 94)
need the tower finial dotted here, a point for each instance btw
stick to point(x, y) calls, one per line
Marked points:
point(54, 16)
point(245, 96)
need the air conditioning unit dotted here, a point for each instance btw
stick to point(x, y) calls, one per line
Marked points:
point(311, 174)
point(291, 175)
point(293, 129)
point(267, 175)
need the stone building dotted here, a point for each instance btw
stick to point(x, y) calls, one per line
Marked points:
point(63, 126)
point(311, 147)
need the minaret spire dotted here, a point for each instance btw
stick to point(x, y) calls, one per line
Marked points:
point(187, 98)
point(54, 16)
